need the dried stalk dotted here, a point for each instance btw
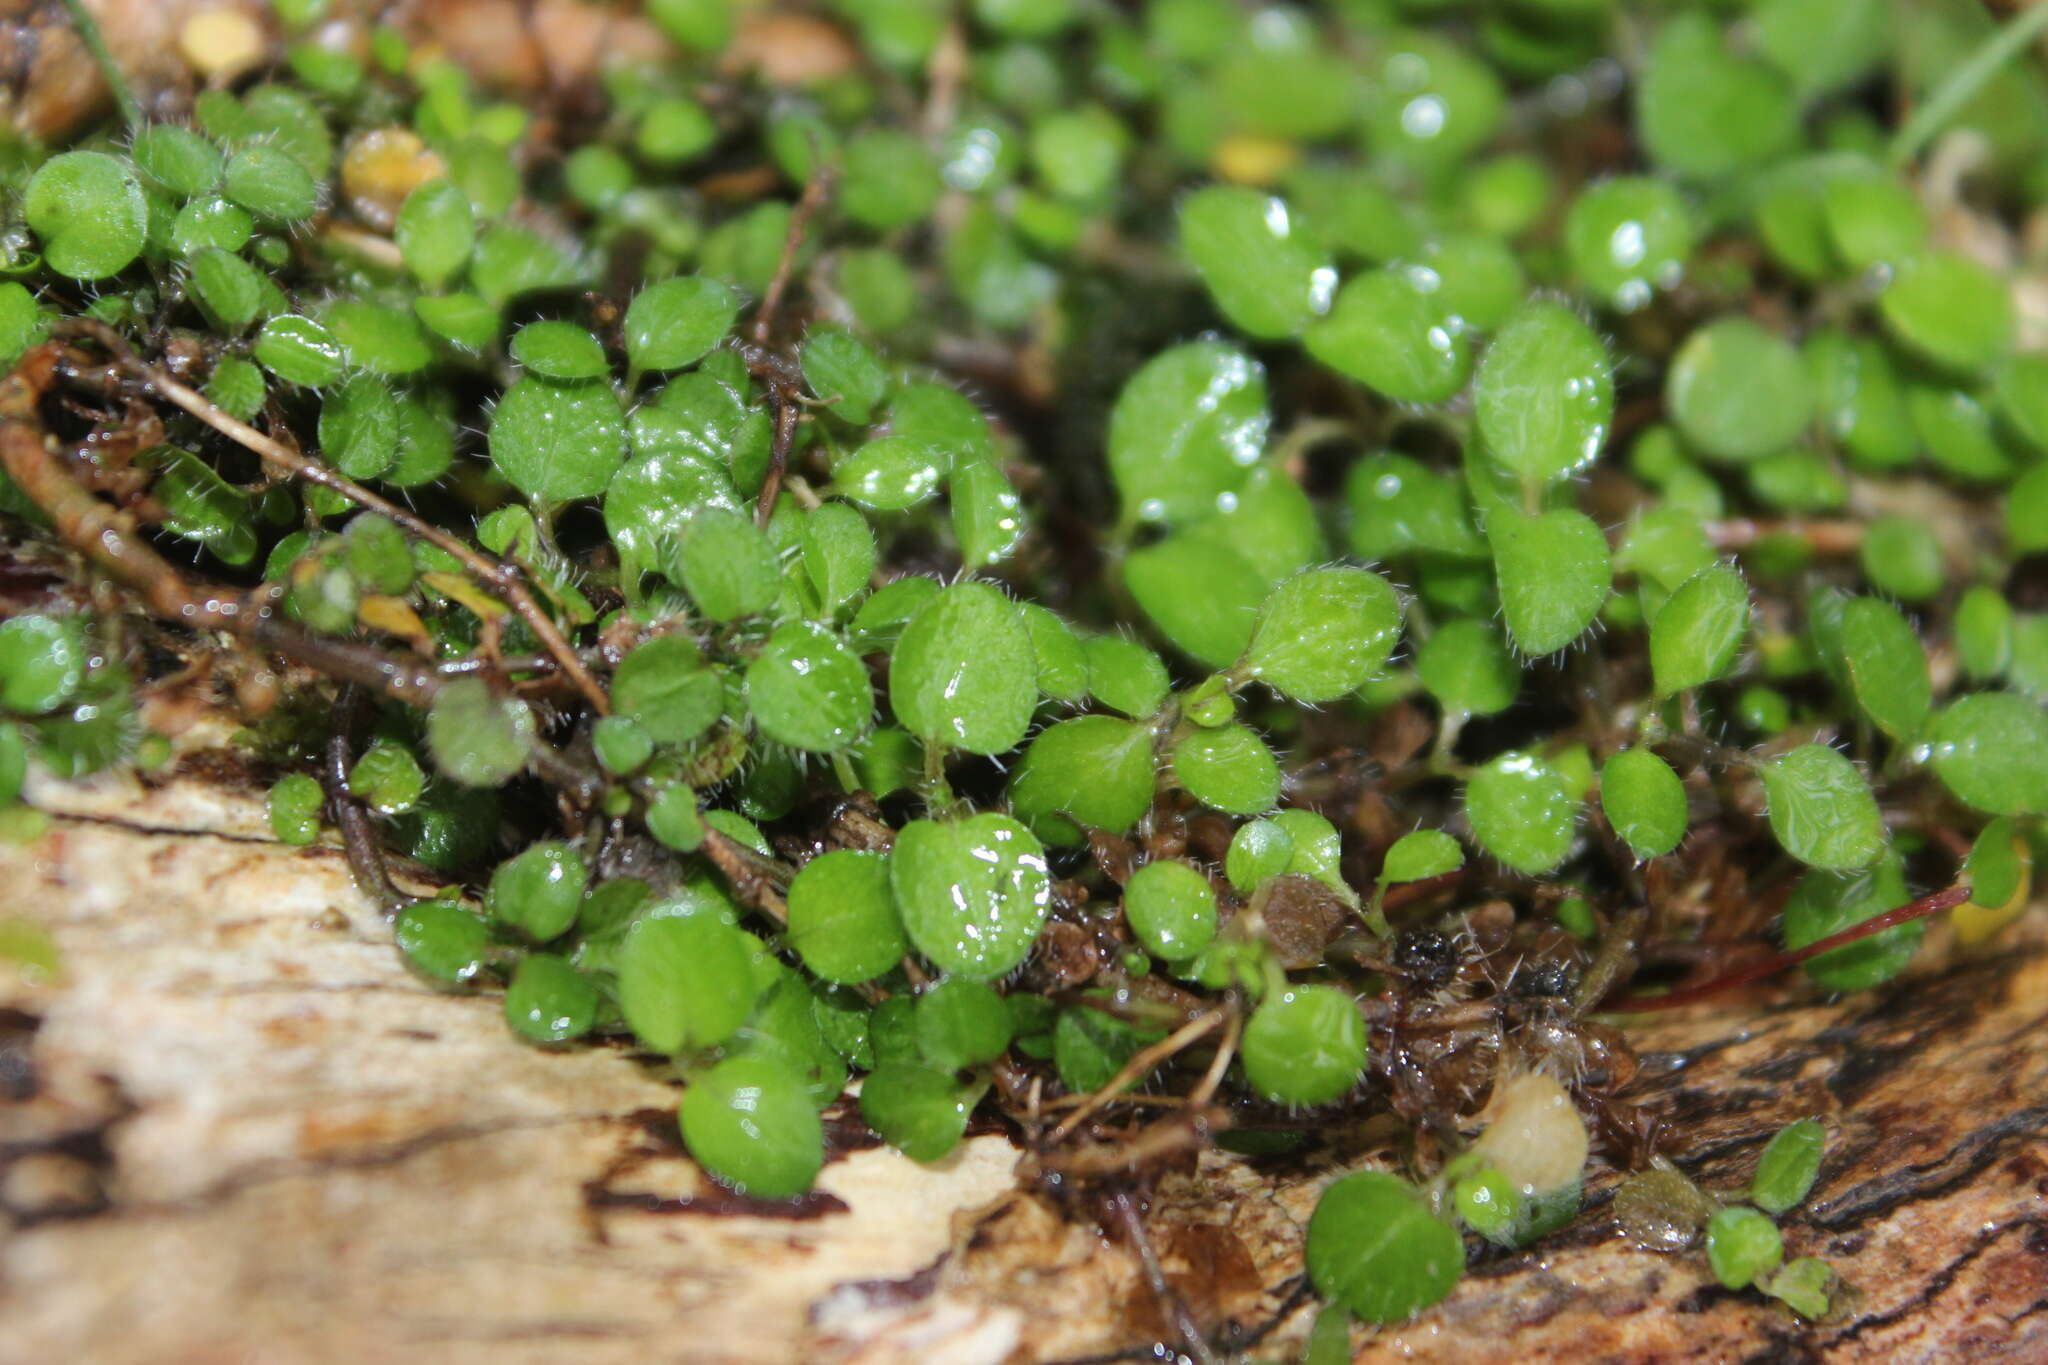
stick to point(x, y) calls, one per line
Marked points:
point(496, 574)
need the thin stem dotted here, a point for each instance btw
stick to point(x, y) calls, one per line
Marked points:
point(110, 70)
point(497, 575)
point(1962, 84)
point(110, 538)
point(1171, 1305)
point(1137, 1066)
point(1927, 905)
point(754, 878)
point(807, 206)
point(358, 835)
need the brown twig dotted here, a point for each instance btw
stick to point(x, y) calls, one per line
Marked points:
point(753, 877)
point(807, 206)
point(1919, 909)
point(1137, 1066)
point(1822, 537)
point(110, 538)
point(782, 378)
point(1171, 1305)
point(358, 835)
point(498, 575)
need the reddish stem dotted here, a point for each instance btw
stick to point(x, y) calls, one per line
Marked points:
point(1927, 905)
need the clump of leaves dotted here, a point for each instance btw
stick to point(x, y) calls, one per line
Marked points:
point(736, 682)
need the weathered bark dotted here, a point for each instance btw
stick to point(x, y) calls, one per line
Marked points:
point(235, 1128)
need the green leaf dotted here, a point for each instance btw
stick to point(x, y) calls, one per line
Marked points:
point(973, 893)
point(1950, 310)
point(1090, 1047)
point(1705, 113)
point(917, 1110)
point(726, 565)
point(270, 183)
point(387, 778)
point(1990, 749)
point(549, 1001)
point(229, 286)
point(1554, 574)
point(1098, 770)
point(435, 232)
point(1803, 1285)
point(1825, 903)
point(891, 473)
point(674, 130)
point(1887, 667)
point(838, 553)
point(1200, 593)
point(843, 372)
point(555, 442)
point(944, 419)
point(961, 1023)
point(889, 180)
point(205, 508)
point(42, 662)
point(2026, 512)
point(1306, 1045)
point(1522, 812)
point(1465, 664)
point(386, 341)
point(1125, 676)
point(1738, 391)
point(665, 689)
point(1374, 1246)
point(1859, 400)
point(90, 212)
point(1696, 634)
point(442, 942)
point(1821, 809)
point(1229, 768)
point(1172, 909)
point(538, 890)
point(1260, 849)
point(178, 159)
point(477, 738)
point(1399, 505)
point(461, 319)
point(1644, 801)
point(963, 673)
point(749, 1122)
point(1742, 1246)
point(988, 515)
point(808, 690)
point(1900, 556)
point(1392, 331)
point(1324, 633)
point(1788, 1167)
point(559, 350)
point(1269, 279)
point(1875, 219)
point(685, 981)
point(1627, 237)
point(842, 917)
point(1432, 103)
point(1422, 854)
point(294, 805)
point(1999, 867)
point(359, 427)
point(1186, 429)
point(677, 321)
point(1544, 399)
